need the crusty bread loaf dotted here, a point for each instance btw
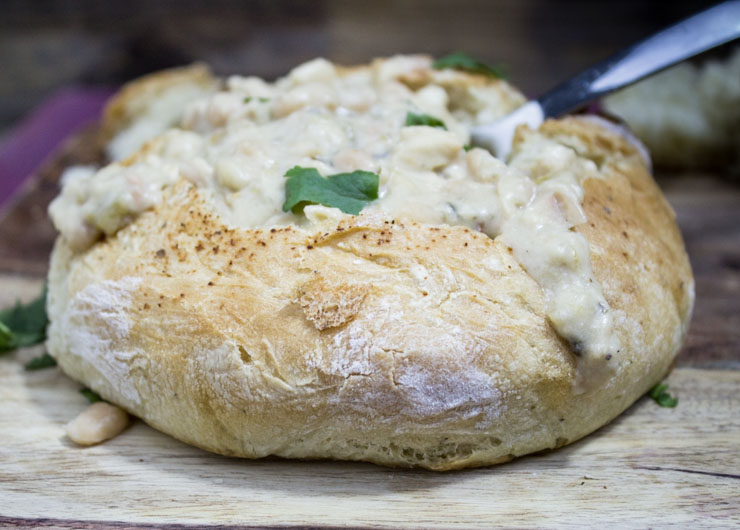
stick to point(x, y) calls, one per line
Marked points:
point(378, 337)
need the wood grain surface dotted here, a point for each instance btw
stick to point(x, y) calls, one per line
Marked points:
point(708, 212)
point(652, 467)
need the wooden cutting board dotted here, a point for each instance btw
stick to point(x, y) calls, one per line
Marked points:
point(652, 467)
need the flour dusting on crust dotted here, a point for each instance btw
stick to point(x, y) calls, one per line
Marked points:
point(96, 321)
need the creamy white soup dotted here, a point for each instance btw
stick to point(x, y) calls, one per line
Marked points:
point(240, 141)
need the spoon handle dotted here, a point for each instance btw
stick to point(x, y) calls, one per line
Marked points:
point(689, 37)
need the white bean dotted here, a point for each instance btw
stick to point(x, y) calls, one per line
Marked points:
point(99, 422)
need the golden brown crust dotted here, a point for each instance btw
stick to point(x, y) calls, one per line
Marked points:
point(379, 339)
point(637, 245)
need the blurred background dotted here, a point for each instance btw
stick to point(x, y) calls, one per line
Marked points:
point(46, 45)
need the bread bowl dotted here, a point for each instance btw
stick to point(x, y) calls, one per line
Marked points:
point(475, 311)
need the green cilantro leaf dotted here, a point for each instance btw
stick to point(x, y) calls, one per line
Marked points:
point(463, 61)
point(661, 396)
point(91, 396)
point(6, 338)
point(23, 325)
point(423, 119)
point(261, 100)
point(42, 361)
point(350, 192)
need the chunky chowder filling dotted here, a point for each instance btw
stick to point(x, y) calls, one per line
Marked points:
point(239, 142)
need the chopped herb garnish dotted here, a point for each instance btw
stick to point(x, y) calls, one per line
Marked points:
point(91, 396)
point(661, 396)
point(261, 100)
point(350, 192)
point(423, 119)
point(6, 338)
point(42, 361)
point(23, 325)
point(467, 147)
point(463, 61)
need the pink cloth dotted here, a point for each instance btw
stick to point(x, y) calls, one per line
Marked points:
point(39, 134)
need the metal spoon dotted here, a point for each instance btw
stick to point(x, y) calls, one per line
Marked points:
point(698, 33)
